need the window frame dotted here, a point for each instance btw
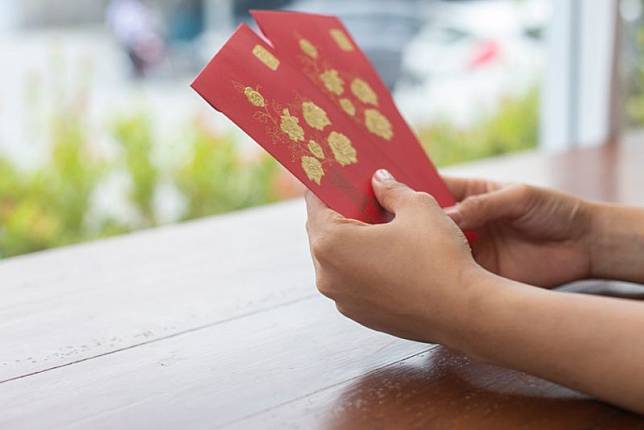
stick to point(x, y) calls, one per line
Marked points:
point(581, 79)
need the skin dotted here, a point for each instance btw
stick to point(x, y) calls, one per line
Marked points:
point(417, 278)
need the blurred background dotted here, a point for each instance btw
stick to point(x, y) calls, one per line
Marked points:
point(100, 133)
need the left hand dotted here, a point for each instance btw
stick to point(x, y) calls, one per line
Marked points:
point(411, 277)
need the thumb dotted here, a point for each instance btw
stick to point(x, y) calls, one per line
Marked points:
point(475, 211)
point(391, 194)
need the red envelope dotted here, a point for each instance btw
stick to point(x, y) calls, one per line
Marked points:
point(322, 48)
point(316, 104)
point(281, 109)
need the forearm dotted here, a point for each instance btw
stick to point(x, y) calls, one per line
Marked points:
point(591, 344)
point(616, 242)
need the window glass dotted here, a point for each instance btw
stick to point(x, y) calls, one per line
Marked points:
point(101, 135)
point(632, 56)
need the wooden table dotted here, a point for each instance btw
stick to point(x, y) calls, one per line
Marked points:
point(217, 323)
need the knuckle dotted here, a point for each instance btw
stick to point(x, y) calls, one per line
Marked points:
point(342, 309)
point(324, 287)
point(327, 286)
point(393, 188)
point(388, 191)
point(323, 243)
point(423, 199)
point(523, 194)
point(391, 185)
point(472, 203)
point(523, 190)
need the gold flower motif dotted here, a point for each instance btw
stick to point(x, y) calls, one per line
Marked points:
point(332, 81)
point(290, 125)
point(343, 151)
point(254, 97)
point(378, 124)
point(347, 106)
point(315, 116)
point(341, 39)
point(313, 168)
point(266, 57)
point(363, 91)
point(308, 48)
point(316, 149)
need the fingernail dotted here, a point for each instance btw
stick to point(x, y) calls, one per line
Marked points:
point(383, 175)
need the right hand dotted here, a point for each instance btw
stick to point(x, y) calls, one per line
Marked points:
point(528, 234)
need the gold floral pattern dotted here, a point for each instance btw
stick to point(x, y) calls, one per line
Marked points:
point(347, 106)
point(316, 149)
point(378, 124)
point(290, 125)
point(341, 39)
point(343, 150)
point(266, 57)
point(254, 97)
point(315, 116)
point(363, 91)
point(284, 127)
point(332, 81)
point(313, 168)
point(308, 48)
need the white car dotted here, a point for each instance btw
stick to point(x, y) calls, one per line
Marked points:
point(468, 55)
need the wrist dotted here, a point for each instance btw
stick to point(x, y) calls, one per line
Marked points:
point(615, 242)
point(586, 219)
point(494, 311)
point(475, 289)
point(596, 237)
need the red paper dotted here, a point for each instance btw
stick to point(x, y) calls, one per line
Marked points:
point(296, 123)
point(321, 46)
point(316, 104)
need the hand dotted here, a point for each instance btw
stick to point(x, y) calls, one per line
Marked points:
point(525, 233)
point(410, 277)
point(415, 277)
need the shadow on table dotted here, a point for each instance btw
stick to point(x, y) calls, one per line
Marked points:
point(622, 290)
point(442, 389)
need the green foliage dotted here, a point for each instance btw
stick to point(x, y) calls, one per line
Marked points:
point(635, 97)
point(47, 207)
point(52, 205)
point(513, 127)
point(20, 218)
point(215, 179)
point(135, 136)
point(71, 177)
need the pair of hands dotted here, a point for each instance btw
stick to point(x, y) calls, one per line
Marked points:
point(416, 276)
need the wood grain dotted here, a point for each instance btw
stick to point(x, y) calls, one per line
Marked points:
point(205, 378)
point(75, 303)
point(444, 390)
point(607, 172)
point(216, 323)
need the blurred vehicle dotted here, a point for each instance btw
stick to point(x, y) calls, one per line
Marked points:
point(463, 36)
point(382, 28)
point(469, 54)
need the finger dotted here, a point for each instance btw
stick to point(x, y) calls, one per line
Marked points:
point(477, 210)
point(391, 194)
point(318, 213)
point(313, 204)
point(454, 213)
point(461, 188)
point(457, 186)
